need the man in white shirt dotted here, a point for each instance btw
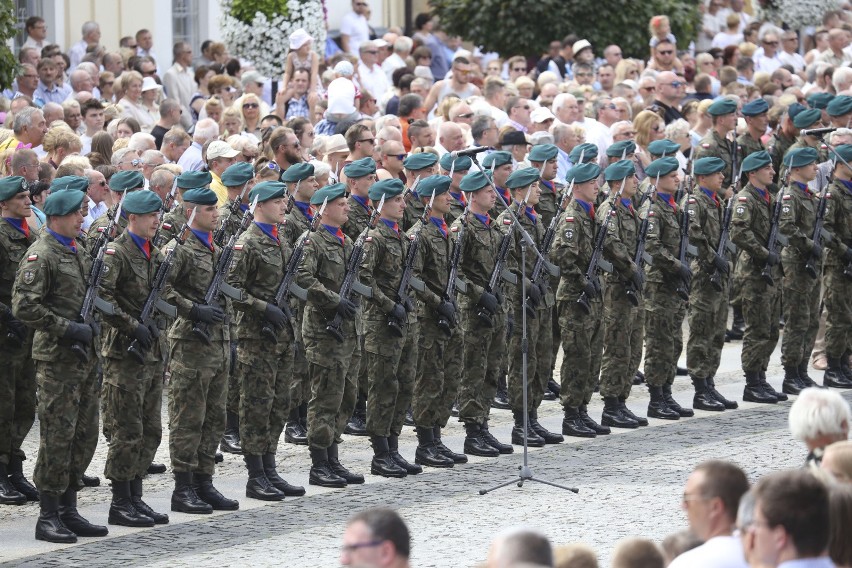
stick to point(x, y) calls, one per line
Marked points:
point(768, 61)
point(401, 50)
point(789, 54)
point(36, 30)
point(354, 28)
point(91, 32)
point(99, 197)
point(205, 130)
point(370, 74)
point(145, 47)
point(710, 500)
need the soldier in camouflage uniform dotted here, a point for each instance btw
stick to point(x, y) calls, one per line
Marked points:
point(483, 357)
point(664, 308)
point(17, 382)
point(420, 165)
point(839, 112)
point(176, 218)
point(133, 391)
point(265, 349)
point(716, 143)
point(821, 101)
point(810, 118)
point(333, 388)
point(435, 388)
point(761, 300)
point(623, 321)
point(47, 296)
point(459, 167)
point(199, 367)
point(783, 137)
point(757, 121)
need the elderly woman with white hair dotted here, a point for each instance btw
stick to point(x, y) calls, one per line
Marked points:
point(678, 131)
point(819, 417)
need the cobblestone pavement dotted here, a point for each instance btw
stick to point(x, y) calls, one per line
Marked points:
point(630, 485)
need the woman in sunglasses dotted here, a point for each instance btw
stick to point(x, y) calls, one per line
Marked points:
point(249, 107)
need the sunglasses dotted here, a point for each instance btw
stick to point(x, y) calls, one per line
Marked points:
point(149, 73)
point(666, 52)
point(273, 166)
point(251, 105)
point(370, 140)
point(677, 84)
point(100, 183)
point(399, 157)
point(525, 107)
point(133, 163)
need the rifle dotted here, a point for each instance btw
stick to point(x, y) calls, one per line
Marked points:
point(165, 208)
point(725, 245)
point(542, 268)
point(218, 285)
point(234, 209)
point(641, 258)
point(288, 285)
point(685, 249)
point(408, 279)
point(777, 239)
point(350, 279)
point(686, 183)
point(819, 234)
point(597, 262)
point(108, 233)
point(153, 302)
point(453, 280)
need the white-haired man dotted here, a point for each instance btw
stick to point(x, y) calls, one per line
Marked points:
point(207, 129)
point(819, 417)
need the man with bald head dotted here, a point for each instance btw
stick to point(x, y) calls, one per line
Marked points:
point(390, 160)
point(450, 138)
point(80, 81)
point(670, 91)
point(838, 39)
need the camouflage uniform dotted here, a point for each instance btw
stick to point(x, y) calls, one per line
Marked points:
point(456, 207)
point(748, 145)
point(133, 393)
point(838, 287)
point(548, 340)
point(413, 213)
point(172, 223)
point(777, 147)
point(713, 145)
point(822, 154)
point(100, 224)
point(48, 294)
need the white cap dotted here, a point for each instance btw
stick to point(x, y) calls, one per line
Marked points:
point(335, 143)
point(341, 96)
point(299, 38)
point(380, 42)
point(148, 84)
point(253, 76)
point(344, 68)
point(220, 149)
point(580, 45)
point(541, 114)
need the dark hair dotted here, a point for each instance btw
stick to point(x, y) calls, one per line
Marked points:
point(102, 144)
point(386, 525)
point(91, 104)
point(298, 125)
point(38, 187)
point(421, 20)
point(726, 481)
point(728, 54)
point(797, 501)
point(200, 72)
point(274, 117)
point(232, 67)
point(408, 104)
point(420, 53)
point(399, 74)
point(840, 511)
point(32, 22)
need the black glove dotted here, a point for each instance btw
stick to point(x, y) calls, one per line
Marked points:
point(15, 325)
point(772, 259)
point(721, 263)
point(143, 335)
point(489, 302)
point(274, 315)
point(155, 331)
point(447, 310)
point(590, 290)
point(542, 289)
point(684, 272)
point(638, 280)
point(399, 313)
point(534, 296)
point(206, 314)
point(79, 332)
point(96, 327)
point(409, 305)
point(816, 250)
point(346, 308)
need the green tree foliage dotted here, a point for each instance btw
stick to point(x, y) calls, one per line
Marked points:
point(244, 10)
point(513, 27)
point(8, 61)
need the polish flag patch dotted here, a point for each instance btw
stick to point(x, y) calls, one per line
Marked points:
point(788, 197)
point(238, 247)
point(743, 199)
point(109, 251)
point(167, 226)
point(569, 219)
point(507, 221)
point(32, 257)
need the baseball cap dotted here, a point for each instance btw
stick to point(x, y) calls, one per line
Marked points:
point(220, 149)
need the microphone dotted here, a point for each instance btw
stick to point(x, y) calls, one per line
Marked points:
point(469, 152)
point(816, 131)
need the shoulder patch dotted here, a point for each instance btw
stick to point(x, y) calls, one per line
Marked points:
point(368, 240)
point(569, 219)
point(109, 251)
point(238, 247)
point(167, 226)
point(507, 221)
point(742, 198)
point(411, 237)
point(828, 195)
point(28, 277)
point(692, 200)
point(454, 229)
point(651, 214)
point(787, 197)
point(705, 145)
point(32, 257)
point(101, 229)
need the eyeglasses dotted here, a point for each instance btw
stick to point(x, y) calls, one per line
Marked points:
point(647, 88)
point(666, 52)
point(519, 69)
point(525, 107)
point(770, 42)
point(610, 106)
point(133, 163)
point(249, 157)
point(149, 73)
point(100, 183)
point(465, 115)
point(251, 105)
point(370, 140)
point(677, 84)
point(372, 52)
point(358, 545)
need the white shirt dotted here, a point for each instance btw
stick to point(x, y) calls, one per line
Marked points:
point(767, 64)
point(793, 59)
point(355, 26)
point(718, 552)
point(95, 211)
point(709, 24)
point(33, 43)
point(76, 54)
point(724, 39)
point(373, 80)
point(391, 64)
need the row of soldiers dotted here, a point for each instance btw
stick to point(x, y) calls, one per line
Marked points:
point(297, 296)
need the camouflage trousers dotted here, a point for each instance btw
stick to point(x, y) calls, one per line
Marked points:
point(197, 403)
point(334, 386)
point(838, 307)
point(581, 351)
point(17, 399)
point(761, 305)
point(708, 319)
point(664, 313)
point(538, 359)
point(623, 333)
point(233, 398)
point(300, 385)
point(390, 386)
point(546, 344)
point(133, 398)
point(263, 372)
point(484, 354)
point(801, 316)
point(435, 388)
point(68, 421)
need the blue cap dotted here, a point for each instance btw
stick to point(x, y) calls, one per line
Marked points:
point(300, 172)
point(664, 147)
point(438, 184)
point(820, 100)
point(621, 148)
point(543, 153)
point(755, 107)
point(588, 150)
point(78, 183)
point(200, 196)
point(619, 170)
point(387, 188)
point(840, 105)
point(844, 151)
point(11, 186)
point(722, 107)
point(126, 180)
point(497, 159)
point(266, 190)
point(662, 167)
point(359, 168)
point(807, 118)
point(420, 161)
point(63, 202)
point(474, 181)
point(191, 180)
point(522, 178)
point(708, 166)
point(800, 157)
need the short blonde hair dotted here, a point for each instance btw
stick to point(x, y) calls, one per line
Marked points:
point(574, 555)
point(61, 137)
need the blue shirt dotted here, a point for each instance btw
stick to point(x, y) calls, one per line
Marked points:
point(269, 230)
point(391, 225)
point(305, 208)
point(142, 243)
point(70, 244)
point(206, 237)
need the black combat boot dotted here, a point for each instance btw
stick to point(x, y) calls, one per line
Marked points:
point(8, 494)
point(90, 480)
point(293, 431)
point(73, 520)
point(18, 481)
point(258, 487)
point(393, 447)
point(844, 366)
point(704, 399)
point(350, 477)
point(49, 526)
point(444, 450)
point(494, 442)
point(622, 402)
point(673, 404)
point(427, 452)
point(533, 439)
point(573, 425)
point(184, 497)
point(614, 416)
point(383, 463)
point(737, 326)
point(122, 511)
point(591, 424)
point(834, 376)
point(230, 441)
point(804, 378)
point(535, 426)
point(271, 472)
point(658, 407)
point(142, 506)
point(156, 468)
point(754, 390)
point(501, 397)
point(357, 425)
point(711, 388)
point(321, 473)
point(203, 484)
point(768, 388)
point(792, 384)
point(638, 378)
point(476, 445)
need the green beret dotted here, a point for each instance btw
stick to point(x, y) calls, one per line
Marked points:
point(191, 180)
point(807, 118)
point(722, 107)
point(237, 174)
point(588, 150)
point(621, 148)
point(330, 192)
point(840, 105)
point(141, 202)
point(522, 178)
point(200, 196)
point(708, 166)
point(299, 172)
point(438, 184)
point(497, 159)
point(460, 164)
point(662, 167)
point(756, 160)
point(266, 190)
point(664, 147)
point(543, 152)
point(126, 180)
point(844, 151)
point(820, 100)
point(794, 109)
point(11, 186)
point(582, 173)
point(474, 181)
point(63, 203)
point(78, 183)
point(619, 170)
point(359, 168)
point(387, 188)
point(800, 156)
point(420, 161)
point(755, 107)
